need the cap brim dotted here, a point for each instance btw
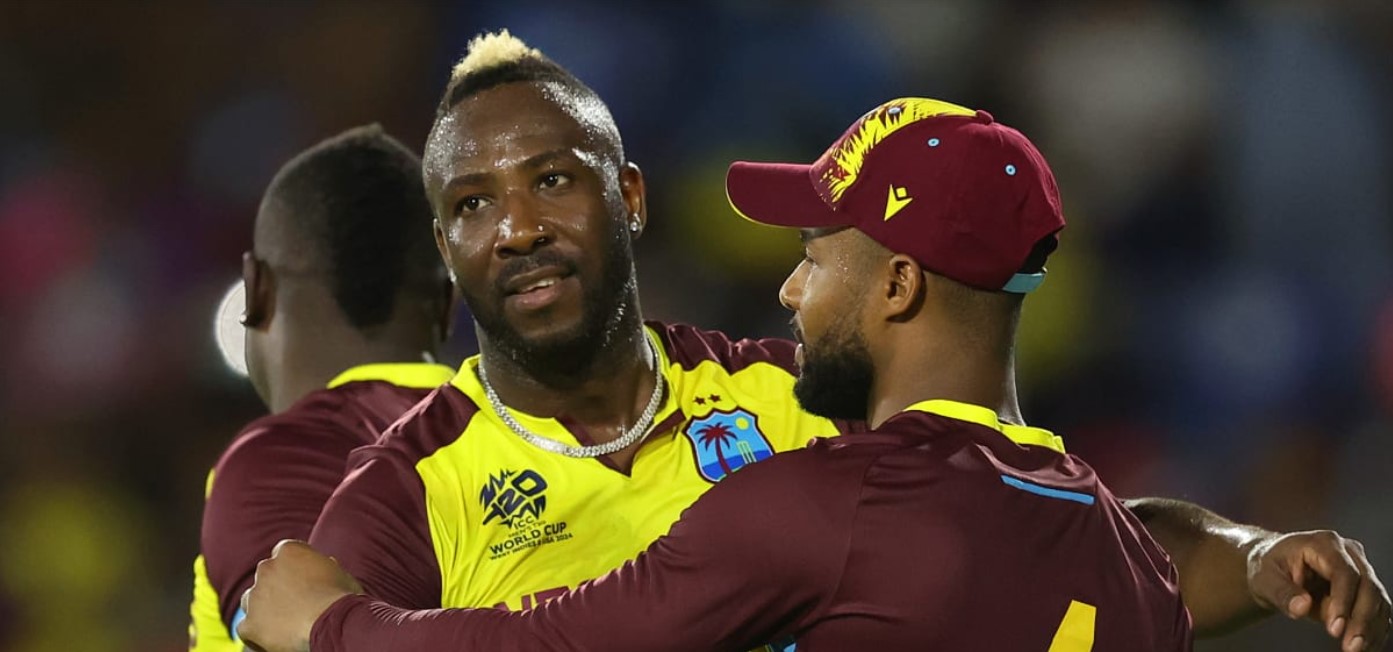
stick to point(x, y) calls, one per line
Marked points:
point(778, 194)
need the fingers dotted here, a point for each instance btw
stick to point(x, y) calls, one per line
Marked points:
point(1280, 587)
point(246, 633)
point(1369, 624)
point(246, 630)
point(289, 546)
point(1327, 556)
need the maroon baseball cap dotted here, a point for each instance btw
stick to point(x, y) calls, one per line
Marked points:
point(969, 198)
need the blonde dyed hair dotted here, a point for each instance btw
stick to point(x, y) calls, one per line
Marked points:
point(490, 50)
point(495, 58)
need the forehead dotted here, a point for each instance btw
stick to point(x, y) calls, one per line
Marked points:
point(508, 121)
point(829, 239)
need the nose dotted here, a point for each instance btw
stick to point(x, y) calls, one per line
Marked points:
point(522, 231)
point(791, 293)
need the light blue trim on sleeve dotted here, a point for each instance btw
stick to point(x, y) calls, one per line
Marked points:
point(1047, 491)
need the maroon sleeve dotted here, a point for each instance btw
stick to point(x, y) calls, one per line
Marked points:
point(753, 561)
point(268, 486)
point(375, 525)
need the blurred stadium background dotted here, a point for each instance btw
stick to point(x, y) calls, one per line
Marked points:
point(1218, 325)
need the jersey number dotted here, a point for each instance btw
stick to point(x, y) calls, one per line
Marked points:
point(1075, 633)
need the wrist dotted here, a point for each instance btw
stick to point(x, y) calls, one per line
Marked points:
point(1255, 552)
point(326, 633)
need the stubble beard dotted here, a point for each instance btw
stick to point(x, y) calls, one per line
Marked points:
point(608, 308)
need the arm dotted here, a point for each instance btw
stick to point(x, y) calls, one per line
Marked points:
point(1232, 574)
point(270, 485)
point(376, 526)
point(748, 563)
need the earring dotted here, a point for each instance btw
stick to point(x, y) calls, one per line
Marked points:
point(634, 224)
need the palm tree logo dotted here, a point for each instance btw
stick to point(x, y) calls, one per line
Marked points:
point(715, 436)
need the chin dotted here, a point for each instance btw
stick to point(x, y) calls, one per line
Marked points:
point(557, 345)
point(836, 382)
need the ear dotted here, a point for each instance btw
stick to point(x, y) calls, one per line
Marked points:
point(259, 284)
point(445, 320)
point(444, 250)
point(904, 288)
point(632, 187)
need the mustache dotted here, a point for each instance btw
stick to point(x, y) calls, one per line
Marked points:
point(545, 257)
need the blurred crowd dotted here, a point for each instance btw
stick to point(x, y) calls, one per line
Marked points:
point(1218, 324)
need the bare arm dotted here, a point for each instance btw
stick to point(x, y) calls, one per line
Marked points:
point(1233, 574)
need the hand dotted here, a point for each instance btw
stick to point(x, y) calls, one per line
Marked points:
point(291, 590)
point(1327, 578)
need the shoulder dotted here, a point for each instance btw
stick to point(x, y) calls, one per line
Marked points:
point(430, 424)
point(376, 401)
point(819, 477)
point(790, 515)
point(689, 346)
point(293, 435)
point(994, 465)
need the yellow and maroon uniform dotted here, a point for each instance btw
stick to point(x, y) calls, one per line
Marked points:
point(272, 481)
point(943, 529)
point(452, 509)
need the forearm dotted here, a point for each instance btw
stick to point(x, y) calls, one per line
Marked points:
point(1211, 555)
point(360, 624)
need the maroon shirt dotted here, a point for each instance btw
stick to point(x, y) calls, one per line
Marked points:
point(929, 533)
point(272, 481)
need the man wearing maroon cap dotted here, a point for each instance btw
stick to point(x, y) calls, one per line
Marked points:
point(950, 525)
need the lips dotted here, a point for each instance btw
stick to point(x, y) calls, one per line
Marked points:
point(535, 280)
point(544, 283)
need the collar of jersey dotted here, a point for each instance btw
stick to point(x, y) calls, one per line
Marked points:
point(979, 415)
point(419, 375)
point(467, 381)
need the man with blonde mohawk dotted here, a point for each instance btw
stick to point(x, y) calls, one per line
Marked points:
point(580, 433)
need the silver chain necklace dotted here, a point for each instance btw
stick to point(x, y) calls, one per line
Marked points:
point(628, 438)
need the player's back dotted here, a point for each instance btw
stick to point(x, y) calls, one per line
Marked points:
point(274, 477)
point(965, 539)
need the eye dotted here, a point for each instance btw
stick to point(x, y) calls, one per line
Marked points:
point(555, 180)
point(470, 204)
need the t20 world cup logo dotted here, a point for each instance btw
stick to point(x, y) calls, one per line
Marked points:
point(514, 498)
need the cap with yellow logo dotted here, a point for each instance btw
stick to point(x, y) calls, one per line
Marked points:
point(969, 198)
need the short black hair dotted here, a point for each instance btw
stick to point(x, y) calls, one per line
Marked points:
point(354, 208)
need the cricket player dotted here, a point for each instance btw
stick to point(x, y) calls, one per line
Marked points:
point(924, 226)
point(346, 299)
point(581, 433)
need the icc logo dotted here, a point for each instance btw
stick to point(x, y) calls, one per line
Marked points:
point(514, 498)
point(725, 441)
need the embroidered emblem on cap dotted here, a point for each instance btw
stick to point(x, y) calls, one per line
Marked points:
point(898, 199)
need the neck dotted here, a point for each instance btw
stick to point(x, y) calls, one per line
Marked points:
point(924, 368)
point(606, 394)
point(314, 356)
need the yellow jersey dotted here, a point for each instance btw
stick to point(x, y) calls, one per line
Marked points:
point(453, 509)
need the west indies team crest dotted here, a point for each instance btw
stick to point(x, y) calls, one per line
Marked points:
point(725, 441)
